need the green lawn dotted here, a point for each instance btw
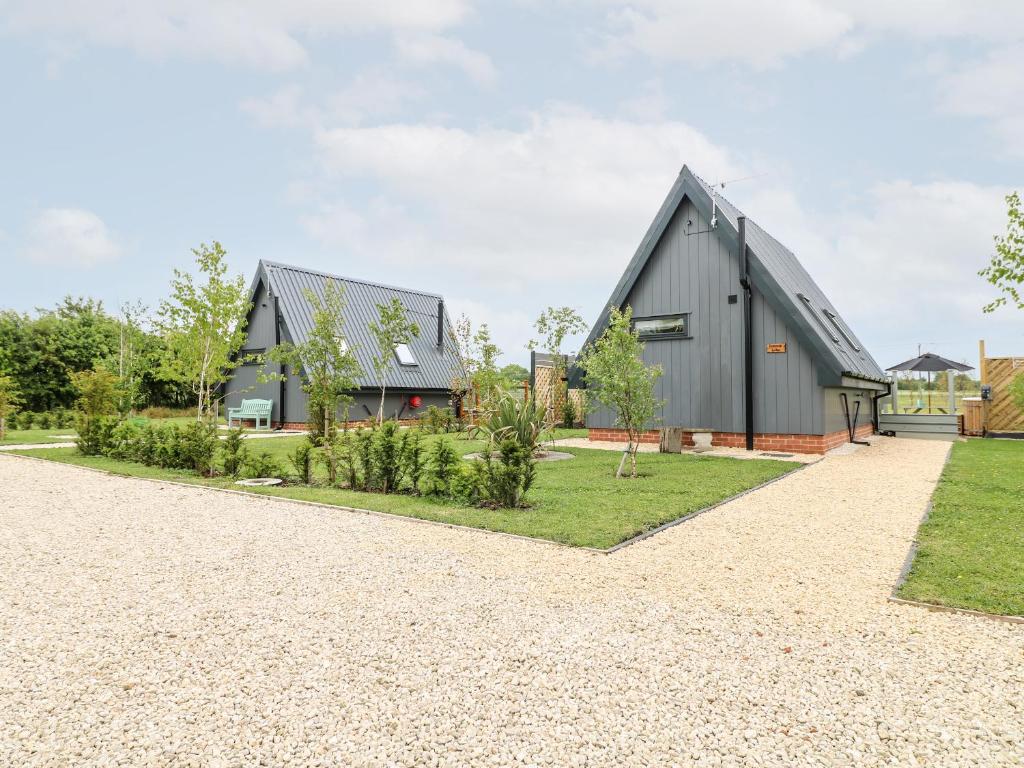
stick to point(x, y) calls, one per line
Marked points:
point(576, 502)
point(35, 436)
point(971, 549)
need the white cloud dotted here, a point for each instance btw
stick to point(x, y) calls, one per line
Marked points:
point(259, 33)
point(900, 261)
point(70, 237)
point(546, 214)
point(437, 49)
point(990, 87)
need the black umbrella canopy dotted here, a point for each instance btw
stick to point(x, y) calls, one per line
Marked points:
point(930, 363)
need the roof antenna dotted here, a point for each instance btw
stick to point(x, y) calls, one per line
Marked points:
point(721, 185)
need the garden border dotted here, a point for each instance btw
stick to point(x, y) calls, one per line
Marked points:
point(393, 516)
point(908, 563)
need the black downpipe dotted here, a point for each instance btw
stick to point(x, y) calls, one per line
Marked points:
point(282, 389)
point(440, 323)
point(851, 426)
point(875, 412)
point(748, 337)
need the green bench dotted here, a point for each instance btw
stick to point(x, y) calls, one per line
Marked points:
point(252, 409)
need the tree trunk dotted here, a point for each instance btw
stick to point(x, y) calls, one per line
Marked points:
point(380, 411)
point(622, 461)
point(3, 427)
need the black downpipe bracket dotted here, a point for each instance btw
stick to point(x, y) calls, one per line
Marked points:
point(875, 410)
point(851, 425)
point(748, 337)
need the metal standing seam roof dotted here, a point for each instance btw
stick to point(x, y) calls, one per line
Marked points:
point(775, 271)
point(436, 367)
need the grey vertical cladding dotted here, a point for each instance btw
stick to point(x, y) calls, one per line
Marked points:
point(692, 270)
point(787, 398)
point(261, 320)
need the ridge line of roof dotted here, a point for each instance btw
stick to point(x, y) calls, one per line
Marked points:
point(320, 273)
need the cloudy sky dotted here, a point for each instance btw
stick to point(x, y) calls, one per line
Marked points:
point(511, 155)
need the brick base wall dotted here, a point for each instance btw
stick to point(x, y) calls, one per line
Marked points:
point(302, 426)
point(620, 436)
point(762, 442)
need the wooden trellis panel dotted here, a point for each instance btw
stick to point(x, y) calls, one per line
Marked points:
point(1003, 415)
point(544, 378)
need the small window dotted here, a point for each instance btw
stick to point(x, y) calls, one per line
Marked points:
point(843, 331)
point(817, 317)
point(404, 355)
point(663, 326)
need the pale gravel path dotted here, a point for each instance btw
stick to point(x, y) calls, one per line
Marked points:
point(143, 624)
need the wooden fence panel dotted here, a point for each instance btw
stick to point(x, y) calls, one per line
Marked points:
point(1003, 414)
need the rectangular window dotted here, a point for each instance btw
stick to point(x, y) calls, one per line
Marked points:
point(404, 355)
point(842, 329)
point(817, 317)
point(663, 326)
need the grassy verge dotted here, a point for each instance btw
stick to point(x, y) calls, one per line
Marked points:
point(576, 502)
point(971, 548)
point(36, 436)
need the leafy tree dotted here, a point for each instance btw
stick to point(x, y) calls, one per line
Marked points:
point(479, 356)
point(327, 363)
point(514, 375)
point(392, 328)
point(204, 326)
point(10, 398)
point(554, 325)
point(1006, 270)
point(617, 378)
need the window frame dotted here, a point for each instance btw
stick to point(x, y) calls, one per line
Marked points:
point(821, 323)
point(843, 331)
point(687, 334)
point(414, 363)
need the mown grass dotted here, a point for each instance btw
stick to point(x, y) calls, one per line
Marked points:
point(37, 436)
point(577, 502)
point(971, 548)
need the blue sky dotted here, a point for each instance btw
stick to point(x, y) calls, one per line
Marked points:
point(511, 155)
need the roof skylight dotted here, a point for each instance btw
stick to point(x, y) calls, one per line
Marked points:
point(817, 317)
point(404, 355)
point(842, 329)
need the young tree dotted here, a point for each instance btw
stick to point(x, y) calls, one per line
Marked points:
point(131, 365)
point(204, 326)
point(10, 398)
point(96, 404)
point(392, 328)
point(555, 324)
point(617, 378)
point(479, 355)
point(327, 362)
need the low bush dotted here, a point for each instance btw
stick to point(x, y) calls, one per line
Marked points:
point(442, 469)
point(94, 434)
point(233, 452)
point(262, 464)
point(568, 414)
point(44, 421)
point(513, 419)
point(302, 461)
point(504, 480)
point(160, 412)
point(197, 447)
point(438, 421)
point(125, 442)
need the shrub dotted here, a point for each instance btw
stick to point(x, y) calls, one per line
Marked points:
point(44, 421)
point(94, 434)
point(197, 447)
point(506, 479)
point(125, 442)
point(568, 414)
point(362, 447)
point(22, 420)
point(444, 464)
point(385, 458)
point(437, 421)
point(519, 420)
point(467, 483)
point(262, 465)
point(168, 447)
point(233, 452)
point(302, 461)
point(413, 463)
point(62, 418)
point(333, 455)
point(148, 445)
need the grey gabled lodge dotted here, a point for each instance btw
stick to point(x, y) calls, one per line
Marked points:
point(422, 373)
point(751, 348)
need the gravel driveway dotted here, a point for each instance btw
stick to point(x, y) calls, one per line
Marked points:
point(143, 624)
